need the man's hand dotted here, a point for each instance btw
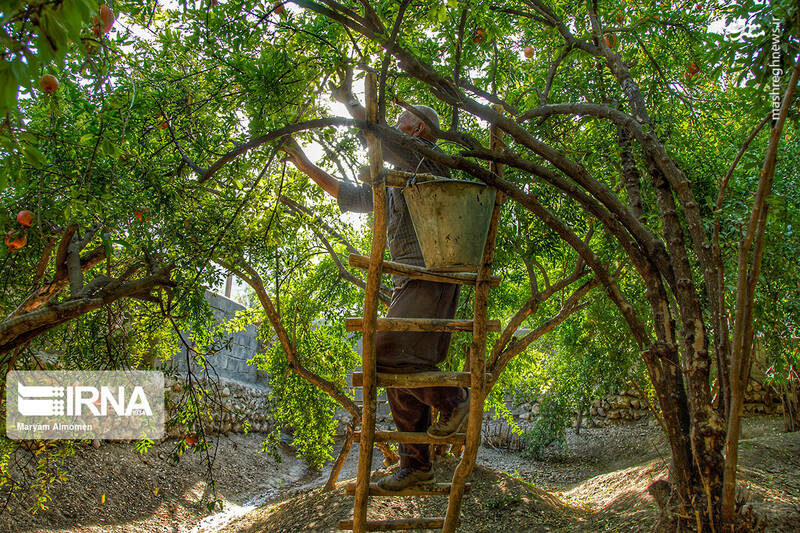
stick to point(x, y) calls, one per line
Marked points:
point(294, 154)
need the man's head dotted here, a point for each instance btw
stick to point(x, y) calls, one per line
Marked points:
point(411, 124)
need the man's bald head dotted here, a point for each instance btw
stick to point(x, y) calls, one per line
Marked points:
point(411, 124)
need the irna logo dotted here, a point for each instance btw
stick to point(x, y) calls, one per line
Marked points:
point(36, 400)
point(72, 404)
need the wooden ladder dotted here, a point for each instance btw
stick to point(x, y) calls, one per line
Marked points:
point(369, 379)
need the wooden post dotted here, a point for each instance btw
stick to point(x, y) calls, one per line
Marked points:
point(345, 451)
point(228, 285)
point(477, 362)
point(370, 310)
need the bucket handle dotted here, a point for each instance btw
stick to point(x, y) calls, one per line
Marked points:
point(413, 179)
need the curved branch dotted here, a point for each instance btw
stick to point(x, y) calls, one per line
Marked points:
point(530, 307)
point(24, 327)
point(252, 278)
point(571, 305)
point(271, 136)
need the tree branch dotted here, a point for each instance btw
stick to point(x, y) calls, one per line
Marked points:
point(252, 278)
point(43, 294)
point(25, 327)
point(271, 136)
point(571, 305)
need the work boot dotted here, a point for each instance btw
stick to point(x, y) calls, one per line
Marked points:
point(450, 423)
point(405, 477)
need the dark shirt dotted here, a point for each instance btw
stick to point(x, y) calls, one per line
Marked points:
point(400, 234)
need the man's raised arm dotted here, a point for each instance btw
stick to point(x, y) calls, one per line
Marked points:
point(298, 158)
point(349, 197)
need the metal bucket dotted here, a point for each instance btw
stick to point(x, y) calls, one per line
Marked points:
point(451, 218)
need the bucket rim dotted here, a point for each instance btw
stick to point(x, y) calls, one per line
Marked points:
point(446, 180)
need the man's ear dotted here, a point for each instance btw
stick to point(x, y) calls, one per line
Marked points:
point(419, 131)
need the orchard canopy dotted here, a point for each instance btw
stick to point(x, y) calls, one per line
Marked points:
point(649, 154)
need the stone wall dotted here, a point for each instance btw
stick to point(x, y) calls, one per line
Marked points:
point(624, 406)
point(762, 399)
point(629, 406)
point(233, 403)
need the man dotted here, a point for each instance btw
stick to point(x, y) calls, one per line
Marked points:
point(405, 352)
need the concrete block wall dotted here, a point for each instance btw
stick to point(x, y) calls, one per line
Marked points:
point(358, 391)
point(230, 362)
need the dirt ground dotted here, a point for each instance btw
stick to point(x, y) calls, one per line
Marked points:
point(150, 493)
point(597, 485)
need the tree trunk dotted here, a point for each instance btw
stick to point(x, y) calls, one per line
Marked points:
point(790, 397)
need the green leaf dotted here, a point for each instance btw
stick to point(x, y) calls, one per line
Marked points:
point(55, 32)
point(33, 156)
point(8, 86)
point(107, 147)
point(442, 14)
point(106, 239)
point(20, 71)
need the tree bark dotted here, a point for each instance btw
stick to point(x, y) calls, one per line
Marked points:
point(747, 273)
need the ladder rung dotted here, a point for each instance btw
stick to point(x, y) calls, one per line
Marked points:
point(398, 524)
point(416, 272)
point(408, 437)
point(423, 489)
point(417, 379)
point(418, 324)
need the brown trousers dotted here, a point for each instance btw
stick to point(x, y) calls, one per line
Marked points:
point(404, 352)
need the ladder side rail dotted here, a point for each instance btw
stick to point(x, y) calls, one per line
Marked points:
point(477, 359)
point(370, 311)
point(477, 368)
